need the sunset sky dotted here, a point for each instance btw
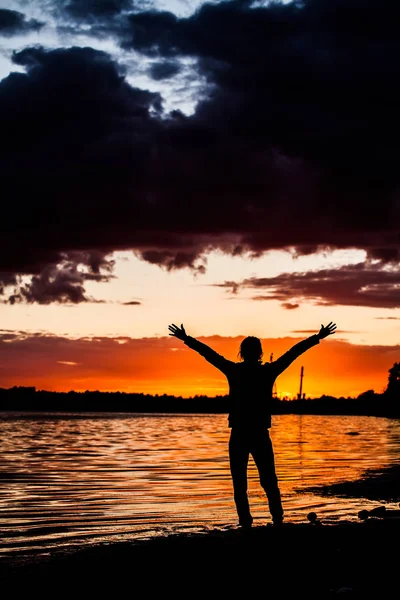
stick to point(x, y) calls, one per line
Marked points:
point(231, 165)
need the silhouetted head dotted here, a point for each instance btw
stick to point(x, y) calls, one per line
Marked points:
point(251, 349)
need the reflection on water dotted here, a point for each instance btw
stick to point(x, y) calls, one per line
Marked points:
point(69, 480)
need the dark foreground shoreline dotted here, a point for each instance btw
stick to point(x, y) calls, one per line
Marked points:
point(350, 559)
point(344, 559)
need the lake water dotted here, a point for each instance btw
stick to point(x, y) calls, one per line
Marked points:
point(73, 480)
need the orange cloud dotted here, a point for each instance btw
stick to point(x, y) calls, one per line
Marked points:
point(166, 365)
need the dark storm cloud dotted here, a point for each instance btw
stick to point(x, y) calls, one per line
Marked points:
point(7, 279)
point(363, 284)
point(101, 19)
point(13, 22)
point(75, 138)
point(164, 69)
point(60, 283)
point(97, 8)
point(53, 284)
point(294, 144)
point(315, 79)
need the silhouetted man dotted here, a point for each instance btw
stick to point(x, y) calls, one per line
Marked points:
point(250, 392)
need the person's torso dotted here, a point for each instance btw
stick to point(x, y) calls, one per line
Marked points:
point(250, 395)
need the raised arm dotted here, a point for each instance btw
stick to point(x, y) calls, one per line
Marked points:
point(326, 330)
point(295, 351)
point(218, 361)
point(178, 332)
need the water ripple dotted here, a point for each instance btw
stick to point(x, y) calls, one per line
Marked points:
point(69, 480)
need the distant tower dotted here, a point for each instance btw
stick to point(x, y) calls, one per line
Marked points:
point(299, 395)
point(274, 390)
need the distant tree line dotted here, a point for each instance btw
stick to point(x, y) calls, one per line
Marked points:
point(19, 398)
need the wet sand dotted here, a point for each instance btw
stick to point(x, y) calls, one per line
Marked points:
point(351, 559)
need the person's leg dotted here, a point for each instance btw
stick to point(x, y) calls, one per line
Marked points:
point(238, 461)
point(263, 454)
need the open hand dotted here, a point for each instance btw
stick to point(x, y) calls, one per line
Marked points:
point(326, 330)
point(178, 332)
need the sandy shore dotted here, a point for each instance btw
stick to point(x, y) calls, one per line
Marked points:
point(357, 559)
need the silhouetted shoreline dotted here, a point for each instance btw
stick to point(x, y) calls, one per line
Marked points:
point(358, 559)
point(29, 399)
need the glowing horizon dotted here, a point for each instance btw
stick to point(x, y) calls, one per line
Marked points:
point(166, 366)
